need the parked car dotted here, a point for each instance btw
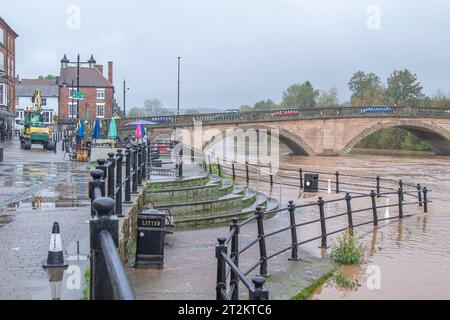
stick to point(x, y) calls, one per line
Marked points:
point(377, 109)
point(19, 124)
point(286, 113)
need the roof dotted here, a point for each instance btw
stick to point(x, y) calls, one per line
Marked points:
point(88, 77)
point(8, 27)
point(26, 87)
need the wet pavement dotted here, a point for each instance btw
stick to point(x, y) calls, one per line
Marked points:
point(37, 188)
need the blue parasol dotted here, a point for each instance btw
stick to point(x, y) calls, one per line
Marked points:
point(96, 133)
point(82, 130)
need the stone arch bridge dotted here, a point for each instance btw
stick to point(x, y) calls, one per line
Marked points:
point(319, 131)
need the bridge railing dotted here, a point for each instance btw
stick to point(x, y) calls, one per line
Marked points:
point(298, 114)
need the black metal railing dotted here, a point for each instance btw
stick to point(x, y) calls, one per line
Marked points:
point(114, 181)
point(108, 277)
point(229, 252)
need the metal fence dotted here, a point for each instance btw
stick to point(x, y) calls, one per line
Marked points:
point(229, 251)
point(114, 181)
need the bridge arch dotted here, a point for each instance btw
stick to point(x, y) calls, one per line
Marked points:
point(293, 141)
point(436, 137)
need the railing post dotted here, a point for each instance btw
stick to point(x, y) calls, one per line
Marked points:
point(262, 242)
point(260, 294)
point(301, 178)
point(373, 195)
point(247, 172)
point(111, 179)
point(401, 188)
point(101, 166)
point(425, 200)
point(378, 186)
point(419, 195)
point(139, 165)
point(271, 174)
point(104, 219)
point(294, 253)
point(135, 170)
point(119, 188)
point(98, 184)
point(400, 203)
point(219, 168)
point(234, 282)
point(323, 225)
point(128, 175)
point(144, 162)
point(337, 183)
point(348, 200)
point(221, 268)
point(233, 168)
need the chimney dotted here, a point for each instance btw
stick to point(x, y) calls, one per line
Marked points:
point(99, 67)
point(110, 71)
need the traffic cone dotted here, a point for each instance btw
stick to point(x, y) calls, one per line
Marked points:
point(55, 252)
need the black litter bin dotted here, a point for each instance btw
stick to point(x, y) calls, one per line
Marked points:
point(311, 183)
point(151, 235)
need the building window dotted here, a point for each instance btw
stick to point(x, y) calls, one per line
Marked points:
point(47, 116)
point(72, 110)
point(43, 102)
point(2, 36)
point(100, 110)
point(2, 62)
point(101, 94)
point(3, 94)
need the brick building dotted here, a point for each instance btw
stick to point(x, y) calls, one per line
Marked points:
point(98, 91)
point(7, 67)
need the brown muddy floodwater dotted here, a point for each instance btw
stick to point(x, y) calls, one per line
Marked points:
point(408, 259)
point(412, 256)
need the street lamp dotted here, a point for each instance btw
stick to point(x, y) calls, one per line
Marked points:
point(125, 89)
point(65, 62)
point(179, 73)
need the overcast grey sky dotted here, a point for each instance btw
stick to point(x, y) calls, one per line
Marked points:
point(235, 51)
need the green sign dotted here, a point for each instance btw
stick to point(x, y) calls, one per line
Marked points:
point(77, 95)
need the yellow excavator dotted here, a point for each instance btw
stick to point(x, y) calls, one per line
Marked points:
point(34, 130)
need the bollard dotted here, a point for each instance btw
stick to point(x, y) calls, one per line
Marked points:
point(373, 195)
point(323, 225)
point(337, 183)
point(221, 268)
point(96, 187)
point(294, 253)
point(101, 166)
point(262, 242)
point(234, 278)
point(348, 200)
point(260, 294)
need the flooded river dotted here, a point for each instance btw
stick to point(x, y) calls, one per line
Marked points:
point(406, 259)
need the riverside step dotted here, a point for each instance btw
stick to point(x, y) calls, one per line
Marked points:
point(175, 183)
point(212, 190)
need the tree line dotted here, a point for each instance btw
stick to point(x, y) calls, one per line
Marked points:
point(401, 88)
